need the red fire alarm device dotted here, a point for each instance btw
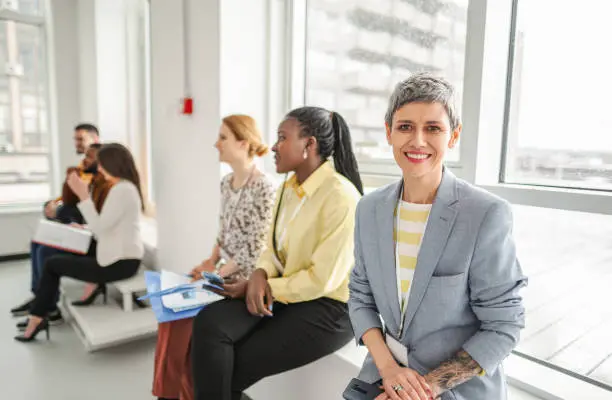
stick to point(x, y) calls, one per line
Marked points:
point(187, 106)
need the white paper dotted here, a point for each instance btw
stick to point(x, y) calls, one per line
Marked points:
point(62, 236)
point(179, 301)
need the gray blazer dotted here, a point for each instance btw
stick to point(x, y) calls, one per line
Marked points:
point(465, 291)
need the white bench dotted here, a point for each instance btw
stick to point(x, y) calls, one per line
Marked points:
point(127, 288)
point(105, 325)
point(322, 380)
point(102, 326)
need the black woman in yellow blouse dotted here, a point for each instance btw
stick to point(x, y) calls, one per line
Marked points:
point(293, 310)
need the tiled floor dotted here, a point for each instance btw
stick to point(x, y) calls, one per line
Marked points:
point(568, 258)
point(62, 370)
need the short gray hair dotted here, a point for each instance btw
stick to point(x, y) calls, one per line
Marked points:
point(426, 88)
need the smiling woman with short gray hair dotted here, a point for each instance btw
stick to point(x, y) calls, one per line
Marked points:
point(436, 260)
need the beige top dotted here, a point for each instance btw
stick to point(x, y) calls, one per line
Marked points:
point(117, 226)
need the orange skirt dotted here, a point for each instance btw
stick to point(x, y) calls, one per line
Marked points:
point(172, 375)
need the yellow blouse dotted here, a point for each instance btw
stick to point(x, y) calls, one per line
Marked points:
point(316, 242)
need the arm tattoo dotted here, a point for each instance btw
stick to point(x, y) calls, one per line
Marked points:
point(452, 373)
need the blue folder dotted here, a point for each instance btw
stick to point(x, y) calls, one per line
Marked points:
point(163, 314)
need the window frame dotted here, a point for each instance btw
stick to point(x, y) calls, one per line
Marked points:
point(509, 109)
point(486, 109)
point(44, 24)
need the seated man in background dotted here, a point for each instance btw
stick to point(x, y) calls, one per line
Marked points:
point(84, 136)
point(67, 212)
point(39, 253)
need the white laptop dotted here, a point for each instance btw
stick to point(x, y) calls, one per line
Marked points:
point(62, 237)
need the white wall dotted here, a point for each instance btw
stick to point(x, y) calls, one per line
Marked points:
point(103, 46)
point(111, 56)
point(16, 229)
point(228, 55)
point(185, 164)
point(244, 58)
point(85, 39)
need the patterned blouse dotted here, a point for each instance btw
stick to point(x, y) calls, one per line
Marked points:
point(245, 218)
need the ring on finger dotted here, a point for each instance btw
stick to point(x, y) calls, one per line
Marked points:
point(397, 388)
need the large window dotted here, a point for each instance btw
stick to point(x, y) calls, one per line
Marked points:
point(557, 134)
point(24, 121)
point(560, 124)
point(568, 258)
point(358, 50)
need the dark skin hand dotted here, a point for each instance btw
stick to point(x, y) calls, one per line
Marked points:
point(259, 294)
point(234, 288)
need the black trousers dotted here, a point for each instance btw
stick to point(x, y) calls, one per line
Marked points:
point(81, 268)
point(232, 349)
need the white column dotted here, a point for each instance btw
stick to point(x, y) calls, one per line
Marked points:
point(185, 164)
point(87, 61)
point(112, 69)
point(64, 83)
point(105, 42)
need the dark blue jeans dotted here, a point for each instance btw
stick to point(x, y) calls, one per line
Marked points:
point(40, 254)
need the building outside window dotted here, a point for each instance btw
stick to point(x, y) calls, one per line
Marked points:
point(357, 51)
point(24, 119)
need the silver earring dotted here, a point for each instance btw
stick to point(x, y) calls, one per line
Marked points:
point(305, 155)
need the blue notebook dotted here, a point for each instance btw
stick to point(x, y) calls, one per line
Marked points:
point(163, 314)
point(199, 285)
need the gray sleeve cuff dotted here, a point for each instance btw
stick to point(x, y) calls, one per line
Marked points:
point(489, 349)
point(363, 320)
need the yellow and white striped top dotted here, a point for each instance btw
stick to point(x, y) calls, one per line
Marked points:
point(411, 225)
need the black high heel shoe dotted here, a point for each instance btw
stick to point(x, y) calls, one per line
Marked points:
point(101, 289)
point(42, 326)
point(53, 318)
